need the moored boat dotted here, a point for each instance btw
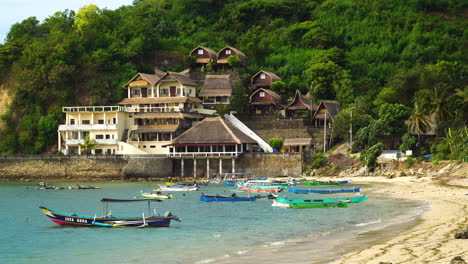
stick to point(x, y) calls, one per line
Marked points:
point(176, 188)
point(309, 205)
point(108, 220)
point(157, 195)
point(355, 199)
point(232, 198)
point(324, 191)
point(272, 189)
point(82, 187)
point(316, 182)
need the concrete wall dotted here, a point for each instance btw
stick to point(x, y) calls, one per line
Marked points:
point(271, 164)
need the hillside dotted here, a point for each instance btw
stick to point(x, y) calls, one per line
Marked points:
point(379, 52)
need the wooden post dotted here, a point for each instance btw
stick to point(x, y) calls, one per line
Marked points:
point(207, 168)
point(325, 133)
point(220, 166)
point(233, 165)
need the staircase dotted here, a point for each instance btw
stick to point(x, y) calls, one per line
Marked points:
point(239, 125)
point(124, 136)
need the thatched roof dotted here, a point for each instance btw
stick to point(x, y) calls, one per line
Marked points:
point(157, 129)
point(211, 53)
point(275, 98)
point(159, 100)
point(303, 101)
point(297, 142)
point(143, 79)
point(212, 131)
point(332, 107)
point(216, 85)
point(274, 77)
point(239, 54)
point(177, 77)
point(178, 115)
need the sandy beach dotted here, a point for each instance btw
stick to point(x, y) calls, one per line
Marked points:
point(430, 241)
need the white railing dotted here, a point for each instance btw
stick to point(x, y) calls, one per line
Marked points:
point(99, 141)
point(93, 109)
point(203, 154)
point(151, 109)
point(88, 127)
point(237, 123)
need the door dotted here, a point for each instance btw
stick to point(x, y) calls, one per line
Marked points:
point(173, 91)
point(144, 92)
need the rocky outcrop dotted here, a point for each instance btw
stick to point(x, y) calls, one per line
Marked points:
point(457, 260)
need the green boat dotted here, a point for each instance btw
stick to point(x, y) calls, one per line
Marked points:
point(355, 199)
point(317, 205)
point(315, 182)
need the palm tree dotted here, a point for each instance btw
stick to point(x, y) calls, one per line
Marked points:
point(88, 145)
point(419, 122)
point(440, 103)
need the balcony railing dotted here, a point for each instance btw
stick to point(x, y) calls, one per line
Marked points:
point(203, 154)
point(93, 109)
point(99, 141)
point(151, 109)
point(88, 127)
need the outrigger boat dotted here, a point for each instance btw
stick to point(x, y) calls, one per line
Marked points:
point(232, 198)
point(157, 195)
point(309, 205)
point(176, 188)
point(294, 190)
point(315, 182)
point(108, 220)
point(356, 199)
point(271, 189)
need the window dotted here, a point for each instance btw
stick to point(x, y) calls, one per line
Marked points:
point(136, 92)
point(164, 91)
point(178, 91)
point(85, 122)
point(100, 121)
point(72, 121)
point(200, 51)
point(107, 136)
point(228, 52)
point(262, 76)
point(114, 121)
point(98, 152)
point(75, 135)
point(152, 146)
point(262, 94)
point(99, 136)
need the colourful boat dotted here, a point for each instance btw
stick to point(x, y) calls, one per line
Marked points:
point(176, 188)
point(355, 199)
point(232, 198)
point(315, 182)
point(273, 189)
point(309, 205)
point(294, 190)
point(157, 195)
point(230, 182)
point(108, 220)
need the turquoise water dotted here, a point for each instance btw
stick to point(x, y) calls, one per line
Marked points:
point(208, 233)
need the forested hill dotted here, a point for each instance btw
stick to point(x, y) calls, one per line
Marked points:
point(397, 52)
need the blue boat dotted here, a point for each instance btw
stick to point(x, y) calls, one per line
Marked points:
point(232, 198)
point(294, 190)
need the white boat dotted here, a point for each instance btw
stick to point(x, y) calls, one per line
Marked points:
point(157, 195)
point(176, 188)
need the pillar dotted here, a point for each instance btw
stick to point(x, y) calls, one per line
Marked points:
point(194, 168)
point(59, 141)
point(233, 165)
point(207, 168)
point(182, 168)
point(220, 166)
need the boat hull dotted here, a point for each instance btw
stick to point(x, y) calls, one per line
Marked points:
point(177, 188)
point(356, 199)
point(156, 196)
point(268, 190)
point(65, 219)
point(317, 205)
point(208, 198)
point(294, 190)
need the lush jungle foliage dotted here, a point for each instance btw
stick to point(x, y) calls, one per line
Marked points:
point(392, 54)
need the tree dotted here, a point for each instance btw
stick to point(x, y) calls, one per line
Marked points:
point(408, 142)
point(278, 86)
point(276, 143)
point(190, 61)
point(234, 61)
point(440, 102)
point(239, 99)
point(222, 109)
point(369, 135)
point(419, 122)
point(369, 156)
point(88, 145)
point(393, 117)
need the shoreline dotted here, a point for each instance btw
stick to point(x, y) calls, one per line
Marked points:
point(432, 239)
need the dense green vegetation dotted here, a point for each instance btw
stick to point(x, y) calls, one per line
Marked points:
point(394, 55)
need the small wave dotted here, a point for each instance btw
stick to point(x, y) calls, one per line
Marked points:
point(370, 223)
point(278, 243)
point(216, 235)
point(205, 261)
point(241, 252)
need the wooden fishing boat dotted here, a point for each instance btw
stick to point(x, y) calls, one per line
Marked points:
point(44, 186)
point(294, 190)
point(230, 182)
point(315, 182)
point(272, 189)
point(176, 188)
point(355, 199)
point(309, 205)
point(268, 196)
point(157, 195)
point(107, 220)
point(232, 198)
point(82, 187)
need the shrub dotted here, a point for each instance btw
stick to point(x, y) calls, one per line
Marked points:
point(409, 162)
point(318, 160)
point(276, 143)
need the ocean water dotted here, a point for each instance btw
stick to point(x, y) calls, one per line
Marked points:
point(209, 232)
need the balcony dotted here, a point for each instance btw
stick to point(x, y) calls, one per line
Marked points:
point(151, 109)
point(87, 127)
point(93, 109)
point(99, 141)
